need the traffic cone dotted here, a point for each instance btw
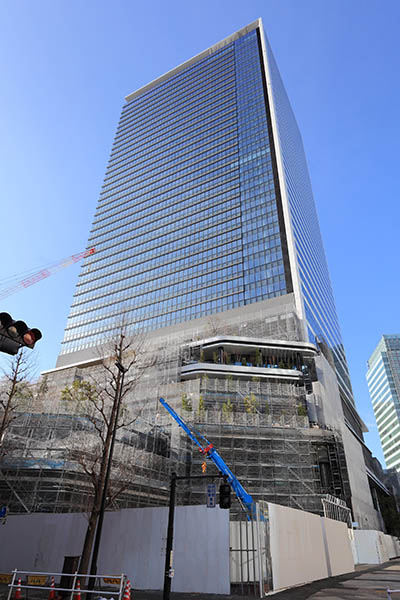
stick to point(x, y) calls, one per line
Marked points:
point(52, 592)
point(18, 591)
point(77, 594)
point(127, 592)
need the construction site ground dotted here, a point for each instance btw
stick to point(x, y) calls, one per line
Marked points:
point(365, 583)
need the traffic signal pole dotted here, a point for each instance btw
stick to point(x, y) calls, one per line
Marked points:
point(169, 571)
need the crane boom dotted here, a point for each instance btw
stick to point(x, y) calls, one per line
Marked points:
point(43, 273)
point(211, 453)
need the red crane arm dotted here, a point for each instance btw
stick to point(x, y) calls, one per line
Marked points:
point(46, 272)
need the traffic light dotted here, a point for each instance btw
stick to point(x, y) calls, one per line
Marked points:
point(15, 334)
point(224, 495)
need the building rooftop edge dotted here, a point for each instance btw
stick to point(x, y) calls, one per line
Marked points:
point(254, 340)
point(380, 347)
point(82, 363)
point(230, 38)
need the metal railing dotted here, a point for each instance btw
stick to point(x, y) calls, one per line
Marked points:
point(389, 592)
point(337, 509)
point(74, 590)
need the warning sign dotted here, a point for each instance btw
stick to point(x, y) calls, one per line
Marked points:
point(112, 580)
point(37, 579)
point(5, 577)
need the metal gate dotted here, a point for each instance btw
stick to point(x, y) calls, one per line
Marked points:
point(250, 562)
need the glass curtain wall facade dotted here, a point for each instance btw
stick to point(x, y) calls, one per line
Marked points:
point(315, 291)
point(206, 205)
point(187, 220)
point(383, 378)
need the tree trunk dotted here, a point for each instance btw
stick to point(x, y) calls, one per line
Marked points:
point(88, 543)
point(93, 518)
point(101, 483)
point(94, 515)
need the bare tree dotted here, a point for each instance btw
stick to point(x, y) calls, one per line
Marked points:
point(215, 326)
point(104, 405)
point(16, 390)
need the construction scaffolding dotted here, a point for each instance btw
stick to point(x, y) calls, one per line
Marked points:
point(275, 454)
point(279, 464)
point(260, 426)
point(42, 468)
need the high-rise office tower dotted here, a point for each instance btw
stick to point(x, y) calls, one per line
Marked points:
point(207, 238)
point(206, 206)
point(383, 377)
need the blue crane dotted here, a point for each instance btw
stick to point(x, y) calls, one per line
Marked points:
point(206, 448)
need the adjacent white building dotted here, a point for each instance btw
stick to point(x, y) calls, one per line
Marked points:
point(383, 377)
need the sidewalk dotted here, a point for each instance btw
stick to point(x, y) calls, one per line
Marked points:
point(366, 583)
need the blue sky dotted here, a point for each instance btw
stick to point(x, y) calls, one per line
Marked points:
point(65, 69)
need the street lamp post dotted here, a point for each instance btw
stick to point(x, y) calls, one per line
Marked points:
point(117, 400)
